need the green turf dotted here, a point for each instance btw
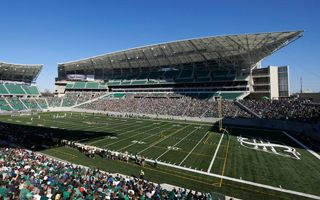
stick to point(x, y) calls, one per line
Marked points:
point(195, 145)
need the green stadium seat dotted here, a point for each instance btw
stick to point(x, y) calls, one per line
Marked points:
point(34, 90)
point(4, 105)
point(92, 85)
point(69, 99)
point(42, 103)
point(69, 85)
point(102, 86)
point(15, 89)
point(54, 101)
point(16, 104)
point(240, 78)
point(79, 85)
point(125, 82)
point(152, 82)
point(26, 89)
point(119, 95)
point(31, 90)
point(3, 90)
point(18, 89)
point(165, 82)
point(31, 104)
point(138, 82)
point(113, 83)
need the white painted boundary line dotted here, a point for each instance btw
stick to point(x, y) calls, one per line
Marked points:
point(302, 145)
point(71, 125)
point(178, 143)
point(166, 137)
point(96, 128)
point(193, 148)
point(126, 132)
point(147, 137)
point(215, 153)
point(240, 181)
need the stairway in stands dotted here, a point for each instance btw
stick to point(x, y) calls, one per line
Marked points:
point(245, 108)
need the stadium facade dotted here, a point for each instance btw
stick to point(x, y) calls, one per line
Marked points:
point(228, 66)
point(18, 89)
point(19, 80)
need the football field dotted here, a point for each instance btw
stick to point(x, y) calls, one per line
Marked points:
point(242, 162)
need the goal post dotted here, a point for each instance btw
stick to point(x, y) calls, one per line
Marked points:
point(220, 113)
point(221, 129)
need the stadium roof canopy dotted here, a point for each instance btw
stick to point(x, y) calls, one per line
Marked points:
point(19, 72)
point(243, 50)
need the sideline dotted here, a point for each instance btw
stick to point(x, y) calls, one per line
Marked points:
point(302, 145)
point(312, 196)
point(241, 181)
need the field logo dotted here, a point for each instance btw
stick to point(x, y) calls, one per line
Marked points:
point(267, 146)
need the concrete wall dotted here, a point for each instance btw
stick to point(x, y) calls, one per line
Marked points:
point(195, 119)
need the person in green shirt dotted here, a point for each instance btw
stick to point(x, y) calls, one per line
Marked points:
point(3, 191)
point(66, 194)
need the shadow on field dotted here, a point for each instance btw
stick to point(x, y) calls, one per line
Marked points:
point(39, 138)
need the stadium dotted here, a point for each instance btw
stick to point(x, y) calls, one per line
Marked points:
point(190, 119)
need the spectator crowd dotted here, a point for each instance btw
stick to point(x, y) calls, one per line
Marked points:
point(292, 109)
point(185, 106)
point(26, 175)
point(169, 105)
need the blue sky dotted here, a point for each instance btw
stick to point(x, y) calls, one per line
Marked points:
point(51, 32)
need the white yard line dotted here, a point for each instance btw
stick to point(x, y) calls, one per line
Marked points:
point(151, 145)
point(116, 129)
point(146, 137)
point(302, 145)
point(134, 135)
point(215, 153)
point(177, 143)
point(100, 127)
point(193, 149)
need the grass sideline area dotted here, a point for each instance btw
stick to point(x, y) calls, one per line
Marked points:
point(259, 156)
